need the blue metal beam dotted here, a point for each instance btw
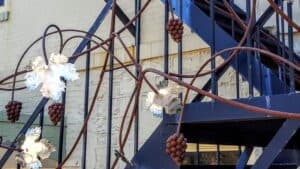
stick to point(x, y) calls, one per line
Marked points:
point(277, 144)
point(203, 112)
point(93, 28)
point(243, 160)
point(152, 154)
point(124, 19)
point(266, 15)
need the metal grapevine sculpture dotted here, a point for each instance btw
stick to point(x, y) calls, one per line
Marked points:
point(163, 96)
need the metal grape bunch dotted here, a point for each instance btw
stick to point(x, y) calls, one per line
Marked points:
point(175, 29)
point(176, 147)
point(56, 111)
point(13, 109)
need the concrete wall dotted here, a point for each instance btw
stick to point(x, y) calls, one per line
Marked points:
point(27, 22)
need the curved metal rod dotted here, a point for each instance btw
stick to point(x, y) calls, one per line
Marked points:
point(243, 106)
point(11, 148)
point(30, 46)
point(235, 16)
point(84, 126)
point(262, 51)
point(73, 58)
point(236, 104)
point(63, 30)
point(227, 61)
point(11, 76)
point(44, 40)
point(124, 118)
point(284, 16)
point(19, 88)
point(189, 86)
point(84, 52)
point(74, 37)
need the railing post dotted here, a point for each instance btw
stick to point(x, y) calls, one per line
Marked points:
point(137, 55)
point(86, 103)
point(62, 127)
point(249, 59)
point(179, 62)
point(214, 84)
point(236, 61)
point(291, 47)
point(283, 54)
point(42, 121)
point(110, 89)
point(278, 45)
point(166, 39)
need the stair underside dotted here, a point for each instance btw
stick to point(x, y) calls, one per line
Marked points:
point(219, 123)
point(249, 133)
point(233, 167)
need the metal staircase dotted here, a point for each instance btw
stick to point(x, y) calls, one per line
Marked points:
point(218, 123)
point(214, 122)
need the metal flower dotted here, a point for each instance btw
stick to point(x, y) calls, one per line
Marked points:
point(50, 75)
point(167, 98)
point(34, 149)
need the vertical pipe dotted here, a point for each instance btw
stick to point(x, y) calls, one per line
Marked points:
point(86, 102)
point(218, 155)
point(291, 47)
point(212, 45)
point(283, 44)
point(198, 153)
point(62, 125)
point(180, 47)
point(236, 61)
point(110, 89)
point(110, 104)
point(213, 62)
point(166, 39)
point(261, 91)
point(42, 122)
point(249, 60)
point(278, 45)
point(137, 55)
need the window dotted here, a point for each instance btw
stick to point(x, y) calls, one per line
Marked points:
point(4, 12)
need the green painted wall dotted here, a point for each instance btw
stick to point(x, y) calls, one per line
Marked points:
point(9, 130)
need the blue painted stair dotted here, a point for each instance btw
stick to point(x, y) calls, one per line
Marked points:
point(217, 123)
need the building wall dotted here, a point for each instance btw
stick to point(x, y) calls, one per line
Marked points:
point(27, 21)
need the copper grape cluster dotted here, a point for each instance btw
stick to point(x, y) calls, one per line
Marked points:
point(56, 111)
point(176, 147)
point(13, 110)
point(175, 28)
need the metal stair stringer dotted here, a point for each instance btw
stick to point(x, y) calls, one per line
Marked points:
point(152, 154)
point(277, 144)
point(195, 19)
